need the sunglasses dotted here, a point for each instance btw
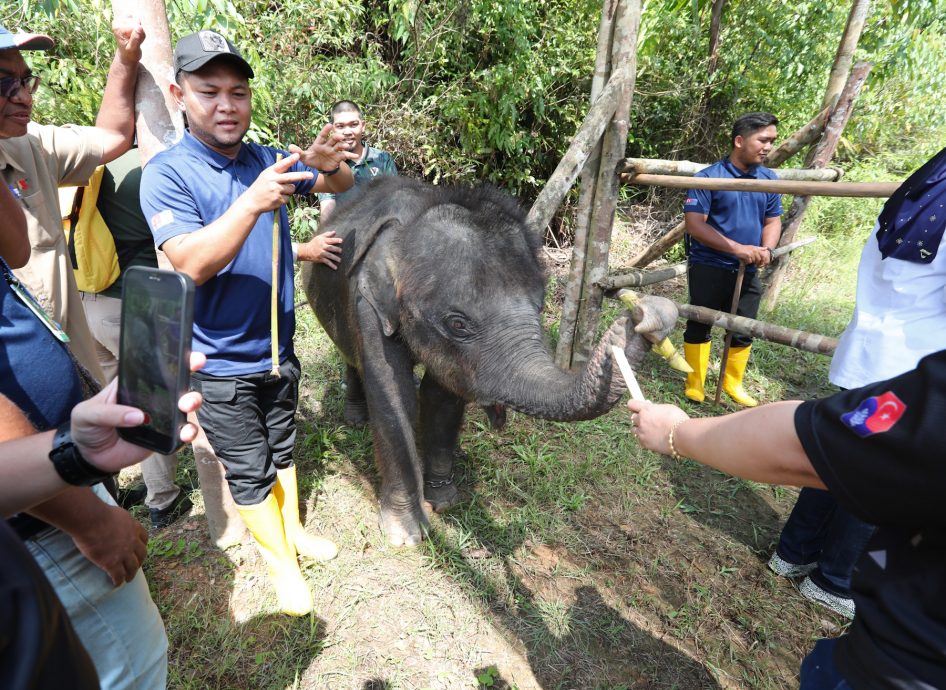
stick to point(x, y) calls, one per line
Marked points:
point(10, 86)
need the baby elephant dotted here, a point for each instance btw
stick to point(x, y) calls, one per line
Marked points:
point(450, 278)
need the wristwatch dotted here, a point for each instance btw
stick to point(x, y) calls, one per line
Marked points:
point(69, 463)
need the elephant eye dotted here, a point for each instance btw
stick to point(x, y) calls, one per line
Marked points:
point(458, 325)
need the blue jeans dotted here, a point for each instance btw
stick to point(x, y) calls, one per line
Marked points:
point(820, 531)
point(818, 671)
point(120, 627)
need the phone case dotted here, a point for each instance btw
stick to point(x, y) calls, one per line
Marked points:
point(154, 354)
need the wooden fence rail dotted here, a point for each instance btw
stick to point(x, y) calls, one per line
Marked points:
point(656, 166)
point(802, 188)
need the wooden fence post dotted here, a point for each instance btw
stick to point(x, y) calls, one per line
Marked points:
point(573, 286)
point(623, 53)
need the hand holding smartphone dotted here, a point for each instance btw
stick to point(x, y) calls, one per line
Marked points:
point(154, 356)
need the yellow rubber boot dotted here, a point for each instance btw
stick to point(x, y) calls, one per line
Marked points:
point(265, 524)
point(305, 544)
point(697, 356)
point(732, 378)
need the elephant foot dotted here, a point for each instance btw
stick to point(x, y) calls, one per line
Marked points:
point(355, 412)
point(404, 528)
point(440, 496)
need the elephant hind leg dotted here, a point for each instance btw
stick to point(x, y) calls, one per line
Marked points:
point(356, 407)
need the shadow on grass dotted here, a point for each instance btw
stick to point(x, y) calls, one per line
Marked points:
point(588, 644)
point(724, 504)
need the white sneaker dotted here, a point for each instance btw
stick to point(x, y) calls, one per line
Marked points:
point(841, 605)
point(780, 566)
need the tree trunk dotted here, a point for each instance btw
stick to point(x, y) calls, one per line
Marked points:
point(158, 122)
point(716, 17)
point(624, 53)
point(819, 156)
point(845, 54)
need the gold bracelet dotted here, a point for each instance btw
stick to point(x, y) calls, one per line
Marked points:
point(673, 451)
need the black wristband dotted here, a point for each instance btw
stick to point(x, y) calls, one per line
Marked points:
point(69, 463)
point(329, 173)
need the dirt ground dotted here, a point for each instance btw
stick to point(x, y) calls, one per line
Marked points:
point(575, 561)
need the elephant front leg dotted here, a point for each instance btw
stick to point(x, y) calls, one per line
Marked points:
point(441, 414)
point(392, 406)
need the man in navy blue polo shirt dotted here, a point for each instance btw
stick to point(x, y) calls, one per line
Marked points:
point(210, 200)
point(725, 229)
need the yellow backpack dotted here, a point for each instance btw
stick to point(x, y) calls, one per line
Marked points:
point(91, 245)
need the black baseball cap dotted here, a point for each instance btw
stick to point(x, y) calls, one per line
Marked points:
point(195, 50)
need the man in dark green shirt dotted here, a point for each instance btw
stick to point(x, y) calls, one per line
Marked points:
point(350, 123)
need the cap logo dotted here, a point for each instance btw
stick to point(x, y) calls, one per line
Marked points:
point(212, 42)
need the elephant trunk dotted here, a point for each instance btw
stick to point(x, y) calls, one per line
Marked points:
point(535, 386)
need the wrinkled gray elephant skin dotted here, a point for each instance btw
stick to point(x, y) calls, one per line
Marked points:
point(449, 278)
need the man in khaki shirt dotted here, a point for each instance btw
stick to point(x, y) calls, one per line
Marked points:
point(35, 160)
point(90, 549)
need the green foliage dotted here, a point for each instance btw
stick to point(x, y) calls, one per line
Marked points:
point(486, 90)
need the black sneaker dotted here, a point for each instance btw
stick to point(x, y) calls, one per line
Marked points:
point(166, 516)
point(132, 496)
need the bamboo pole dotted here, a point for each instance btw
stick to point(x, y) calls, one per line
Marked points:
point(573, 288)
point(641, 278)
point(801, 340)
point(654, 166)
point(798, 140)
point(800, 187)
point(624, 53)
point(819, 157)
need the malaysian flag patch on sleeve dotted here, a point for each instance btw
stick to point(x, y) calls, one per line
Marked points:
point(875, 415)
point(159, 220)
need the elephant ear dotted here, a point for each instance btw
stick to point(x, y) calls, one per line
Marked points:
point(376, 285)
point(367, 236)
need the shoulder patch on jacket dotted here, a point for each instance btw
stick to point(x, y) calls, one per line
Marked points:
point(875, 415)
